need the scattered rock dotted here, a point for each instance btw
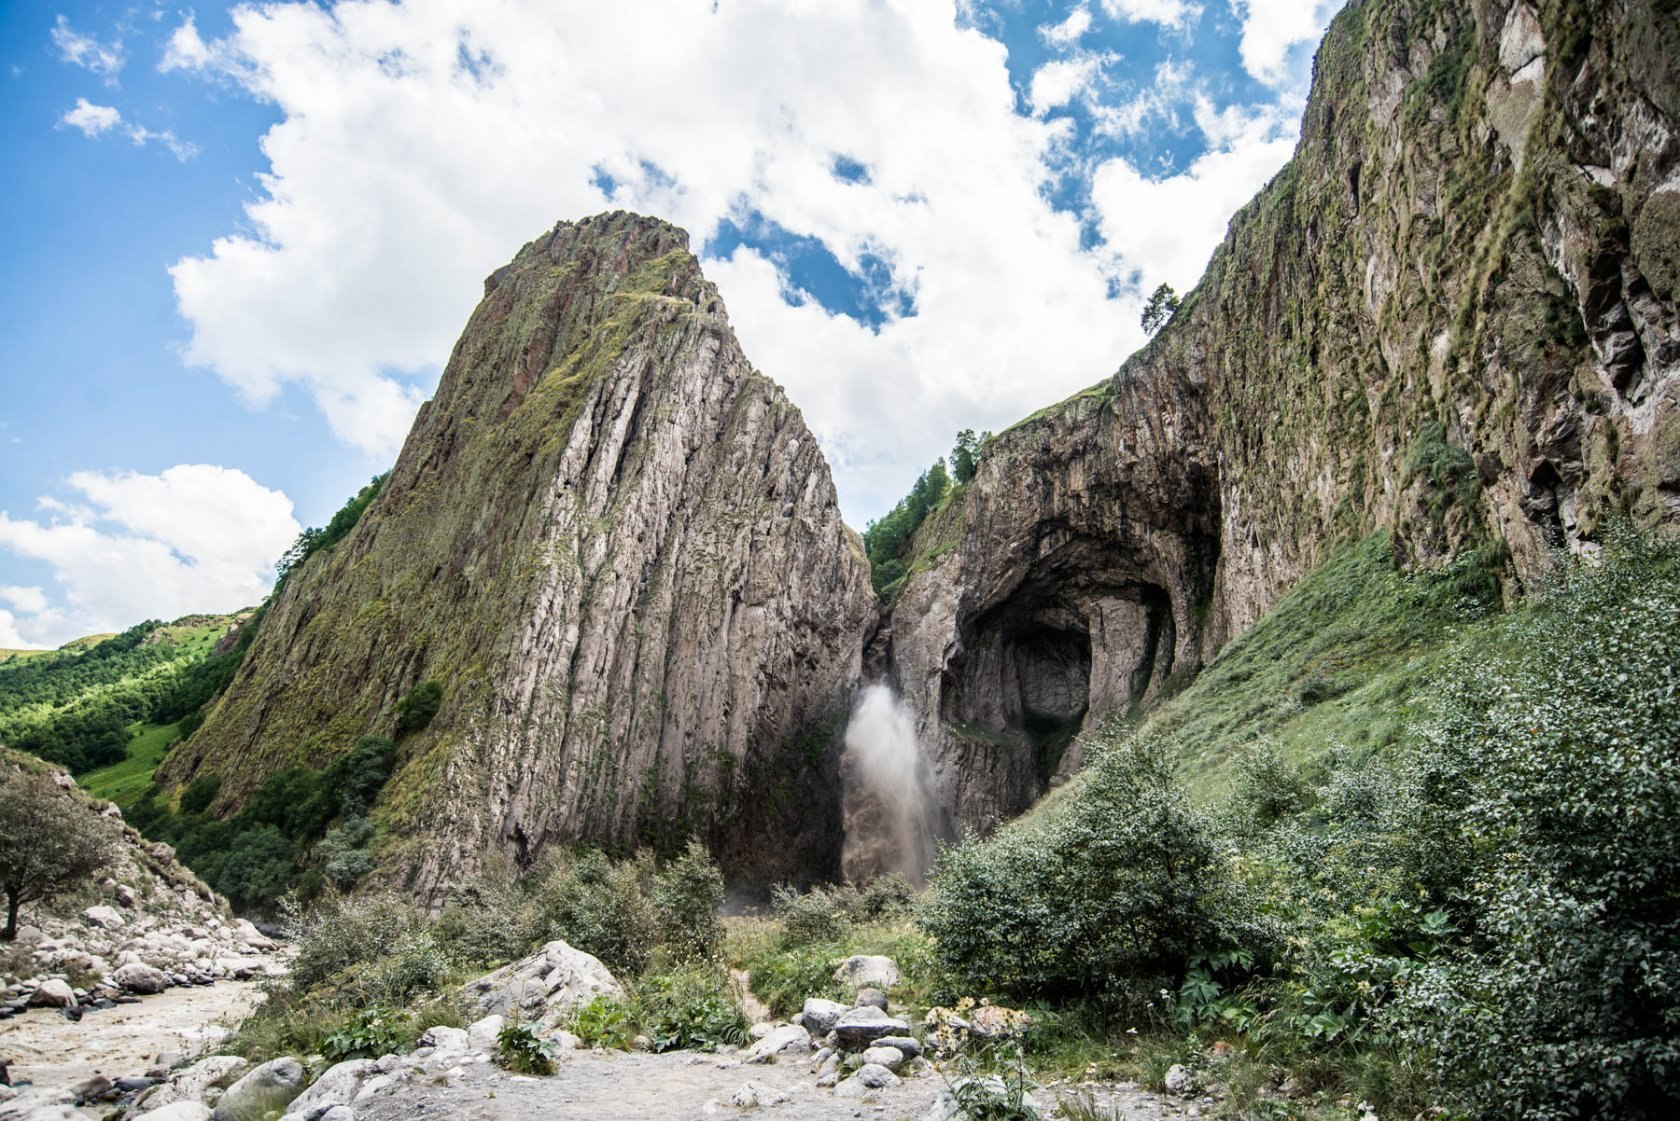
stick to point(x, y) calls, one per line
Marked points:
point(819, 1016)
point(860, 1027)
point(126, 896)
point(53, 994)
point(546, 986)
point(339, 1086)
point(137, 977)
point(873, 998)
point(104, 917)
point(180, 1111)
point(911, 1047)
point(270, 1087)
point(789, 1037)
point(1178, 1080)
point(870, 1076)
point(867, 971)
point(203, 1081)
point(446, 1039)
point(890, 1057)
point(754, 1095)
point(482, 1034)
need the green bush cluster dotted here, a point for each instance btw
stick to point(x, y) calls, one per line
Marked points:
point(1486, 920)
point(270, 846)
point(1110, 898)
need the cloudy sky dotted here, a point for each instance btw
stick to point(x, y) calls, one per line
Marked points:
point(238, 242)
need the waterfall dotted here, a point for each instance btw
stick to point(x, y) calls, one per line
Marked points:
point(888, 806)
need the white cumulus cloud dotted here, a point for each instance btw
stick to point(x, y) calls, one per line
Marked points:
point(104, 59)
point(1167, 228)
point(1167, 13)
point(195, 537)
point(419, 145)
point(92, 120)
point(1272, 28)
point(1068, 31)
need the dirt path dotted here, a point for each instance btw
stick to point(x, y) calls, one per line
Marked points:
point(56, 1054)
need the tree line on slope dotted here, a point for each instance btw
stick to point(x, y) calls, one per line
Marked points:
point(887, 540)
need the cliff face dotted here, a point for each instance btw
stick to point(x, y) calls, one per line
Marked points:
point(618, 548)
point(1453, 315)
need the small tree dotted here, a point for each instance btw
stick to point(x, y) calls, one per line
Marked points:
point(965, 455)
point(48, 842)
point(1162, 303)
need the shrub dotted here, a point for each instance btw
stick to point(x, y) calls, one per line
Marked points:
point(486, 920)
point(693, 1009)
point(686, 901)
point(416, 710)
point(604, 1022)
point(520, 1049)
point(1566, 813)
point(1110, 898)
point(367, 1033)
point(602, 908)
point(348, 933)
point(809, 917)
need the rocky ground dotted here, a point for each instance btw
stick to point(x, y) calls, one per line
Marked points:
point(833, 1061)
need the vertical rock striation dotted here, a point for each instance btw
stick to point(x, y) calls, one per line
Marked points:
point(618, 548)
point(1452, 315)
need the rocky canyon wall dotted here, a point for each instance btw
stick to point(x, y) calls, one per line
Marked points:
point(1452, 316)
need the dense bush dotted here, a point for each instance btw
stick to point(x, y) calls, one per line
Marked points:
point(416, 710)
point(692, 1008)
point(1110, 900)
point(686, 900)
point(1558, 771)
point(601, 907)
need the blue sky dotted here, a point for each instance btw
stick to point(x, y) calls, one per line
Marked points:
point(238, 243)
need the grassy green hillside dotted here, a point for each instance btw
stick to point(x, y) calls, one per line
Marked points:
point(80, 705)
point(1350, 658)
point(124, 781)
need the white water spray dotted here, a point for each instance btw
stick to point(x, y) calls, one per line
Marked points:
point(889, 819)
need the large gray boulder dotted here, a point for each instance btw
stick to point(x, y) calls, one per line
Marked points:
point(338, 1085)
point(53, 994)
point(819, 1016)
point(867, 971)
point(138, 977)
point(180, 1111)
point(860, 1027)
point(269, 1088)
point(547, 986)
point(203, 1082)
point(788, 1037)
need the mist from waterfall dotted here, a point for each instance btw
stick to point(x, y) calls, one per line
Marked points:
point(889, 805)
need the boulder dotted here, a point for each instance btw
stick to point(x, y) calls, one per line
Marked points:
point(875, 998)
point(789, 1037)
point(890, 1057)
point(445, 1039)
point(180, 1111)
point(203, 1081)
point(870, 1076)
point(482, 1034)
point(53, 994)
point(867, 971)
point(104, 917)
point(754, 1095)
point(911, 1047)
point(126, 896)
point(137, 977)
point(819, 1016)
point(547, 986)
point(338, 1085)
point(1178, 1080)
point(860, 1027)
point(268, 1088)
